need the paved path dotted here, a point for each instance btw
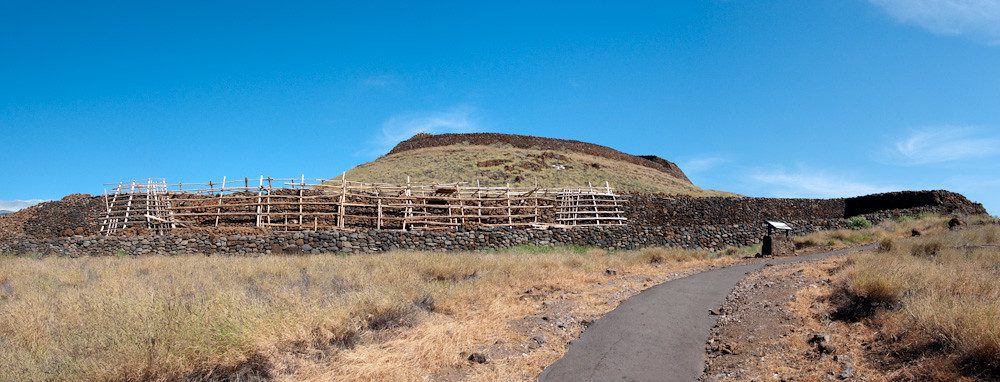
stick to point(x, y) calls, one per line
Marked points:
point(659, 334)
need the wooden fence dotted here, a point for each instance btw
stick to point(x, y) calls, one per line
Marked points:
point(154, 206)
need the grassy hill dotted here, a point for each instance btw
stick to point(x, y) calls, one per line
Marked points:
point(496, 159)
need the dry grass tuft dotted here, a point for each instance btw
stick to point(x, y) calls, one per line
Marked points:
point(929, 248)
point(944, 292)
point(886, 244)
point(658, 256)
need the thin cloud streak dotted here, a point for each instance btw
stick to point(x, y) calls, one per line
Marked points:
point(15, 205)
point(979, 19)
point(380, 81)
point(697, 165)
point(942, 144)
point(811, 184)
point(399, 128)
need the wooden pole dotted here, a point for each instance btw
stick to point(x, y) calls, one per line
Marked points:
point(510, 217)
point(218, 210)
point(461, 209)
point(408, 212)
point(341, 210)
point(378, 222)
point(269, 200)
point(260, 193)
point(128, 206)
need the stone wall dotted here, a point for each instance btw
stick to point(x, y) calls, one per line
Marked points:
point(655, 210)
point(950, 201)
point(712, 223)
point(652, 210)
point(626, 237)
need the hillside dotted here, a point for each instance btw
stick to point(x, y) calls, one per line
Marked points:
point(496, 159)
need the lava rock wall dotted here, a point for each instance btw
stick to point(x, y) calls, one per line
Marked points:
point(655, 210)
point(713, 237)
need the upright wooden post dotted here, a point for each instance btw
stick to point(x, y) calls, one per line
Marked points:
point(534, 198)
point(302, 185)
point(479, 203)
point(128, 206)
point(461, 206)
point(218, 210)
point(408, 212)
point(269, 201)
point(378, 219)
point(260, 192)
point(510, 213)
point(341, 211)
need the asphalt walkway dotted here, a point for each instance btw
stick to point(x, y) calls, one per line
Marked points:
point(660, 333)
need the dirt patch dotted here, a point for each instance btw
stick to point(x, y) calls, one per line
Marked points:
point(511, 339)
point(794, 323)
point(774, 326)
point(492, 162)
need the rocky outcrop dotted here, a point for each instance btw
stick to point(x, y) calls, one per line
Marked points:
point(668, 167)
point(953, 202)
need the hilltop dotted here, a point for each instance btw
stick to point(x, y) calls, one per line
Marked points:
point(498, 159)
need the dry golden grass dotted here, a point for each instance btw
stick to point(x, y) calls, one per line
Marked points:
point(458, 163)
point(300, 317)
point(840, 238)
point(941, 290)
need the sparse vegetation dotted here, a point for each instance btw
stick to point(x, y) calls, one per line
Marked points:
point(858, 222)
point(938, 291)
point(498, 164)
point(887, 229)
point(160, 318)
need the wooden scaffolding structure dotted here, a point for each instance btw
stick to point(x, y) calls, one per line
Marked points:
point(590, 207)
point(315, 204)
point(137, 204)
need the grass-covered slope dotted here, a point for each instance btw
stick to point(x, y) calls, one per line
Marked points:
point(541, 164)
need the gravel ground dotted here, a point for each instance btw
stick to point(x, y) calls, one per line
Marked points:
point(774, 327)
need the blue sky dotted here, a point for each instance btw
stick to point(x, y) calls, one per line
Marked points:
point(771, 98)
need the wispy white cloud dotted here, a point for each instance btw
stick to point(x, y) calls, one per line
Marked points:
point(942, 144)
point(380, 81)
point(702, 164)
point(979, 19)
point(14, 205)
point(459, 119)
point(811, 184)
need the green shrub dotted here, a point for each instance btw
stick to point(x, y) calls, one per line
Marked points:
point(858, 222)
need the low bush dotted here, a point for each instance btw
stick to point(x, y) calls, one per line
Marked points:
point(858, 222)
